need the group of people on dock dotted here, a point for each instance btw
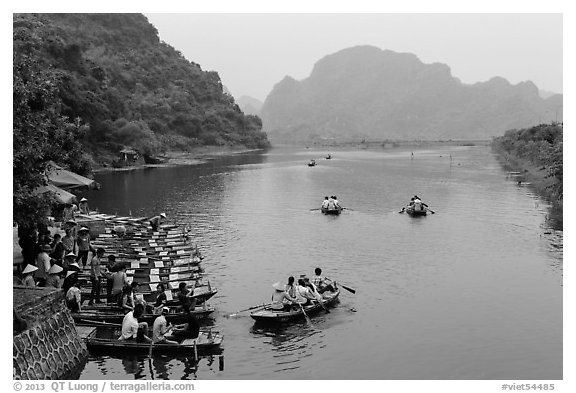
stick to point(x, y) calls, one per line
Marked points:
point(303, 292)
point(331, 203)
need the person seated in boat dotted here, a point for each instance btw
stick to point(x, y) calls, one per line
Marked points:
point(190, 329)
point(54, 279)
point(185, 298)
point(74, 298)
point(331, 205)
point(138, 296)
point(161, 328)
point(325, 203)
point(156, 221)
point(336, 203)
point(281, 300)
point(132, 329)
point(160, 299)
point(312, 288)
point(304, 295)
point(83, 206)
point(28, 273)
point(290, 288)
point(127, 299)
point(418, 204)
point(119, 230)
point(322, 283)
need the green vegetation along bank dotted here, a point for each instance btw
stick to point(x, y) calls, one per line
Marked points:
point(88, 86)
point(537, 154)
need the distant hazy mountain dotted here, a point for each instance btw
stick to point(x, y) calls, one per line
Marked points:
point(249, 105)
point(366, 92)
point(546, 93)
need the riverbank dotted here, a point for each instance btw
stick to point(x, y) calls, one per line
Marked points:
point(194, 156)
point(538, 179)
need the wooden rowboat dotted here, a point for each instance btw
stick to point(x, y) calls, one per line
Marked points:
point(114, 314)
point(268, 315)
point(104, 339)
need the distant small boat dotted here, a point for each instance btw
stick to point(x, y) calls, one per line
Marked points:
point(328, 157)
point(148, 159)
point(312, 163)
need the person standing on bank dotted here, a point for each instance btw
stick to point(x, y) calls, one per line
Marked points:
point(58, 249)
point(43, 264)
point(84, 245)
point(157, 220)
point(96, 276)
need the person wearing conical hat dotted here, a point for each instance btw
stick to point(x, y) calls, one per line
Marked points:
point(83, 206)
point(71, 279)
point(28, 273)
point(54, 279)
point(84, 245)
point(157, 220)
point(281, 301)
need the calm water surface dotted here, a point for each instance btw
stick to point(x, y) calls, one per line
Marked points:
point(471, 292)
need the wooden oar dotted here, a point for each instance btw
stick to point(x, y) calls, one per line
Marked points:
point(305, 315)
point(403, 210)
point(351, 290)
point(247, 309)
point(431, 211)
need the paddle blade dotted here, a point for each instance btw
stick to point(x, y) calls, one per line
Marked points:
point(351, 290)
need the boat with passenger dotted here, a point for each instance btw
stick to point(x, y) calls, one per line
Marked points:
point(104, 339)
point(268, 315)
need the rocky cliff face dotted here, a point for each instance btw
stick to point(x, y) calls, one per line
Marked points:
point(366, 92)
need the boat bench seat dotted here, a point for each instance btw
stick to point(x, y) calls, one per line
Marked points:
point(189, 341)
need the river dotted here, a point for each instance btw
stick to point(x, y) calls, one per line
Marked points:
point(473, 291)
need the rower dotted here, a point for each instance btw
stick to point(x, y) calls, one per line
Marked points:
point(160, 299)
point(325, 203)
point(132, 329)
point(161, 328)
point(322, 283)
point(304, 296)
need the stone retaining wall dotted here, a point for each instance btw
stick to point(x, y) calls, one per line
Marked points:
point(49, 346)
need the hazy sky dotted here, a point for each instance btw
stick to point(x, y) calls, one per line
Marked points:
point(253, 52)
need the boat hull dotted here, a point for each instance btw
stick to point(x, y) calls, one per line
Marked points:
point(267, 315)
point(93, 317)
point(104, 339)
point(416, 213)
point(334, 212)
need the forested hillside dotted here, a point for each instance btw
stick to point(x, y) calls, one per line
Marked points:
point(86, 85)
